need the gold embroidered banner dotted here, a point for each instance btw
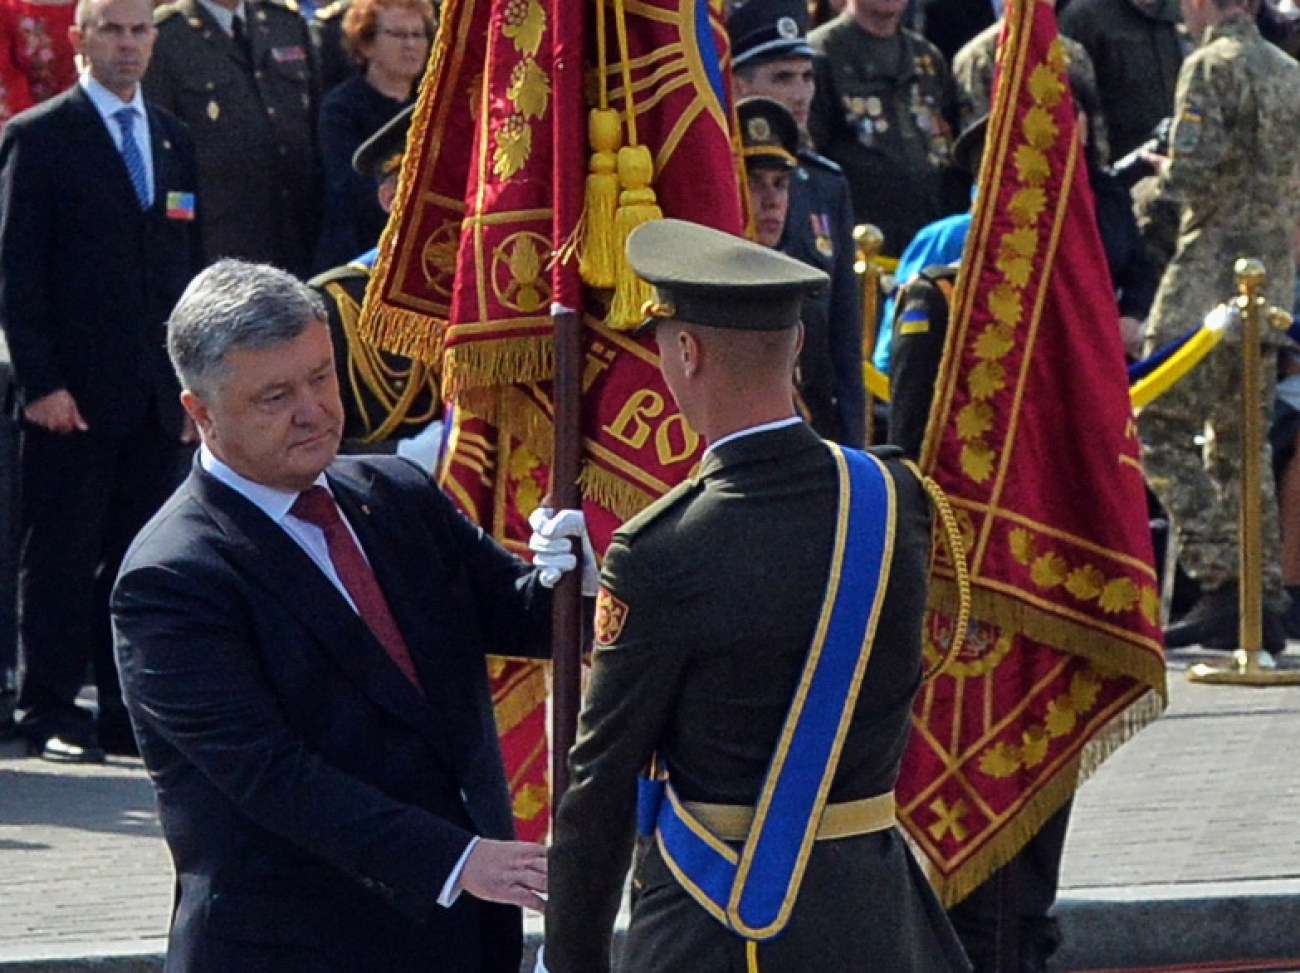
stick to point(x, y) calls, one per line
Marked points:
point(1032, 436)
point(467, 273)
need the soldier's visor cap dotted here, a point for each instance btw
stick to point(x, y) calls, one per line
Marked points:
point(704, 276)
point(769, 135)
point(381, 155)
point(969, 147)
point(768, 30)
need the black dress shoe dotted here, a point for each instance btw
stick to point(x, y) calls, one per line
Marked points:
point(116, 738)
point(1213, 619)
point(68, 748)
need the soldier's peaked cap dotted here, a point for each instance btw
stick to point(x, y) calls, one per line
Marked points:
point(768, 30)
point(704, 276)
point(769, 135)
point(381, 154)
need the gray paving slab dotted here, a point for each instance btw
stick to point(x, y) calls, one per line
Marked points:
point(1183, 847)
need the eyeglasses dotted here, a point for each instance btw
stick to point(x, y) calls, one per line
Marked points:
point(403, 35)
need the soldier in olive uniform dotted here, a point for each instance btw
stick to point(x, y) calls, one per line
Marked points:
point(771, 58)
point(885, 110)
point(1234, 167)
point(386, 398)
point(707, 617)
point(972, 69)
point(241, 74)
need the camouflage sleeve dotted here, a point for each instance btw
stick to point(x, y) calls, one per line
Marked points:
point(1201, 138)
point(973, 73)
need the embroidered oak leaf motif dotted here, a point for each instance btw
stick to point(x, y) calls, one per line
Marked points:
point(1021, 242)
point(1040, 128)
point(529, 801)
point(987, 379)
point(1119, 595)
point(1004, 303)
point(1084, 690)
point(1022, 545)
point(514, 146)
point(1032, 165)
point(1027, 205)
point(1061, 718)
point(524, 22)
point(1085, 582)
point(1046, 86)
point(974, 420)
point(1017, 270)
point(1000, 761)
point(1048, 570)
point(977, 461)
point(1149, 604)
point(996, 341)
point(1033, 750)
point(529, 89)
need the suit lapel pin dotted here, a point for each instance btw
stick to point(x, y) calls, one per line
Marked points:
point(365, 509)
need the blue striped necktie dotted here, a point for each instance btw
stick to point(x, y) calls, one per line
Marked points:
point(125, 118)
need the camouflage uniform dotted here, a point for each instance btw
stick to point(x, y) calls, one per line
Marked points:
point(884, 111)
point(1235, 169)
point(972, 70)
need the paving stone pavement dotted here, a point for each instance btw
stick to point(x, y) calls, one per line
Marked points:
point(1184, 846)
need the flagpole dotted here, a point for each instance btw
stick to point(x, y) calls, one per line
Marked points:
point(566, 618)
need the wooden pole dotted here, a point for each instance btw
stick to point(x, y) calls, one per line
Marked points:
point(566, 618)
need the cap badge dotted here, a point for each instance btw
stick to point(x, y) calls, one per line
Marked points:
point(759, 130)
point(787, 28)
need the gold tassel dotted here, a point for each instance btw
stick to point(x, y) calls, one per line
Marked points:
point(598, 251)
point(636, 205)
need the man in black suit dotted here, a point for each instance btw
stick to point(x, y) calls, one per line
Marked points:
point(711, 623)
point(97, 241)
point(302, 640)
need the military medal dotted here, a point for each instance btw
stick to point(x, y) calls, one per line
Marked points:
point(821, 227)
point(882, 125)
point(873, 105)
point(214, 110)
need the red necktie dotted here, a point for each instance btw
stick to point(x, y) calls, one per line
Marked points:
point(317, 506)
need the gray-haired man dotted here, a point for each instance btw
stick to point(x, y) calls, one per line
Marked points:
point(301, 643)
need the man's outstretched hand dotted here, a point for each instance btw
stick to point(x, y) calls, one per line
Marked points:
point(513, 872)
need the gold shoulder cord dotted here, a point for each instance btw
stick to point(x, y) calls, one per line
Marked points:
point(367, 368)
point(957, 554)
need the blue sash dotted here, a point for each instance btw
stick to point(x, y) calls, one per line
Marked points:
point(753, 891)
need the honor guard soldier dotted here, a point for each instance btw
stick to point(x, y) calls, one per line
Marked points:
point(758, 647)
point(885, 109)
point(387, 398)
point(241, 74)
point(771, 58)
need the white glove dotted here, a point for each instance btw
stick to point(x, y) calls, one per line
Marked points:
point(553, 549)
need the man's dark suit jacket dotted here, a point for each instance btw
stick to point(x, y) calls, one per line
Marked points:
point(314, 802)
point(87, 278)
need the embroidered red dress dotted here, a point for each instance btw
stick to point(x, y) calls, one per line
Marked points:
point(36, 56)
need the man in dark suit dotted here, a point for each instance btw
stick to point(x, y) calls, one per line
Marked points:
point(302, 644)
point(241, 74)
point(97, 241)
point(709, 623)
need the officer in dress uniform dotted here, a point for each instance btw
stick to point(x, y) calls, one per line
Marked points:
point(710, 664)
point(771, 58)
point(386, 397)
point(241, 74)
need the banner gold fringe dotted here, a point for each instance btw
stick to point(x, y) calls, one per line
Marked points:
point(416, 336)
point(1008, 842)
point(479, 363)
point(612, 492)
point(1108, 652)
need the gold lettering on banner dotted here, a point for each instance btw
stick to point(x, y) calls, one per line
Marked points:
point(664, 436)
point(631, 425)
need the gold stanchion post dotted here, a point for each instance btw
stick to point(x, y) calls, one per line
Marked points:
point(1253, 314)
point(868, 240)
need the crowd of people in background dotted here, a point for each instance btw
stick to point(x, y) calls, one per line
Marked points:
point(857, 111)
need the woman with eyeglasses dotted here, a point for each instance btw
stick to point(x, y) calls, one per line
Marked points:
point(389, 40)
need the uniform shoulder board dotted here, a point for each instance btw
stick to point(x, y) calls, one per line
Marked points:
point(639, 523)
point(885, 451)
point(165, 12)
point(810, 158)
point(344, 272)
point(336, 9)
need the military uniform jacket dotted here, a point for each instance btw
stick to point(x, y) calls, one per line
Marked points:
point(710, 601)
point(888, 126)
point(819, 231)
point(254, 126)
point(376, 386)
point(1234, 167)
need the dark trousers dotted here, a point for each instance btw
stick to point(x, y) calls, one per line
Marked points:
point(1004, 924)
point(84, 498)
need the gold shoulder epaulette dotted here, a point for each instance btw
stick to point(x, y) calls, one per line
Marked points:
point(165, 12)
